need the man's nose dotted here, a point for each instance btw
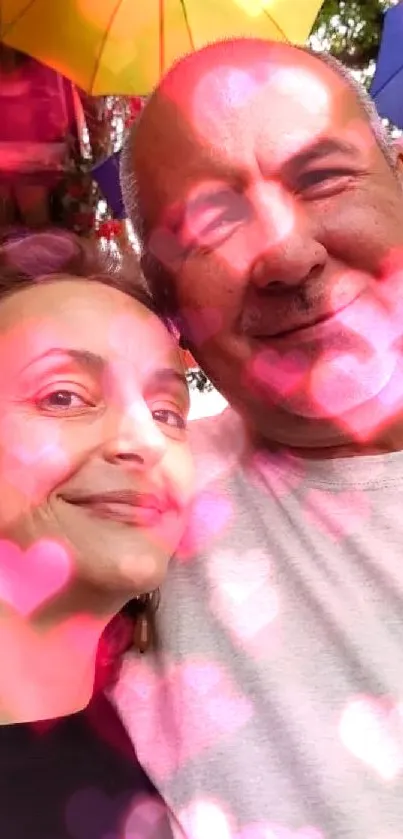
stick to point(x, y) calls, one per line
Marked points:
point(133, 438)
point(286, 249)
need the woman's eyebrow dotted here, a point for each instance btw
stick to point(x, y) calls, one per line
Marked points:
point(93, 362)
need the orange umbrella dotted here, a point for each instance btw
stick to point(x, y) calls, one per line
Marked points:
point(124, 46)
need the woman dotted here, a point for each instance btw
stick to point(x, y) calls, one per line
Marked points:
point(95, 477)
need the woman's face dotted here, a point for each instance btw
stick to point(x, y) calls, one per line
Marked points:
point(93, 449)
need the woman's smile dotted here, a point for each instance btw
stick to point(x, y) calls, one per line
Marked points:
point(127, 507)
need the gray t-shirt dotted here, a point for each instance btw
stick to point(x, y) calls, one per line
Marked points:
point(274, 708)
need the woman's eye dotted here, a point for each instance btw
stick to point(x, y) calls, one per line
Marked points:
point(62, 400)
point(170, 417)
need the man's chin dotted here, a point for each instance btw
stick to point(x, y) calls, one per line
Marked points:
point(356, 413)
point(335, 385)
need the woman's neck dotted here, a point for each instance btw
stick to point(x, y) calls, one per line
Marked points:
point(47, 667)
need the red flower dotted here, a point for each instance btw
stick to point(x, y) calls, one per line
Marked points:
point(109, 229)
point(135, 108)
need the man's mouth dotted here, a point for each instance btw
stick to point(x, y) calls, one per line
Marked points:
point(306, 327)
point(300, 328)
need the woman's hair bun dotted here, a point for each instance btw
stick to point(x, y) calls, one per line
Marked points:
point(45, 253)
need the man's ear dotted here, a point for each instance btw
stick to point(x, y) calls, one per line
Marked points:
point(183, 342)
point(397, 145)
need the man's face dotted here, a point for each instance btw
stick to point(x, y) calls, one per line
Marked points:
point(281, 222)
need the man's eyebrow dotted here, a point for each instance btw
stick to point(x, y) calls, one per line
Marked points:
point(174, 217)
point(226, 180)
point(323, 147)
point(84, 358)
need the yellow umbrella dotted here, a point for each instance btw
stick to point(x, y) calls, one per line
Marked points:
point(124, 46)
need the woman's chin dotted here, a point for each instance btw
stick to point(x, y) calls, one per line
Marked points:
point(120, 579)
point(118, 558)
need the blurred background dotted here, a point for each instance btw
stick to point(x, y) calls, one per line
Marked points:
point(75, 75)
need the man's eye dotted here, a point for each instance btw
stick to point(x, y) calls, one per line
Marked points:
point(230, 216)
point(216, 221)
point(170, 417)
point(62, 400)
point(323, 179)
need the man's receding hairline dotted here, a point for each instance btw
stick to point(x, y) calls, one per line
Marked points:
point(270, 48)
point(363, 99)
point(237, 47)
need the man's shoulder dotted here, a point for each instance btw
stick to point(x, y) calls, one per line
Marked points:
point(222, 433)
point(218, 444)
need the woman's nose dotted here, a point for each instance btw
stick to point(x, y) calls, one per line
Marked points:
point(134, 438)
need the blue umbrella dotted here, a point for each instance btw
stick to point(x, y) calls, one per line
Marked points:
point(387, 85)
point(106, 174)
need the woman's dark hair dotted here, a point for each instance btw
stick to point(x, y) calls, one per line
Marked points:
point(55, 254)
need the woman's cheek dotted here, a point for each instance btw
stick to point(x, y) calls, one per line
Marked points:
point(33, 460)
point(180, 470)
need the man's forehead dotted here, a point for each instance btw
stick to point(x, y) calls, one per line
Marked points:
point(243, 67)
point(213, 88)
point(211, 102)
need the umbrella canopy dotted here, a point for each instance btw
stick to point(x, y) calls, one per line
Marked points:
point(124, 46)
point(387, 85)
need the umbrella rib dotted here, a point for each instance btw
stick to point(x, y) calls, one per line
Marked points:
point(189, 31)
point(103, 44)
point(161, 34)
point(21, 14)
point(279, 29)
point(268, 15)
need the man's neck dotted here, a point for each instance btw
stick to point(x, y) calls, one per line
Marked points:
point(386, 441)
point(342, 451)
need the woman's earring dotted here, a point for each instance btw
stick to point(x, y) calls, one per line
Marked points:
point(144, 608)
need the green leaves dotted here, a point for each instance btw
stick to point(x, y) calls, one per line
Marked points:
point(351, 29)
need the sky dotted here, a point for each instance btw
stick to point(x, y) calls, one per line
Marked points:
point(206, 404)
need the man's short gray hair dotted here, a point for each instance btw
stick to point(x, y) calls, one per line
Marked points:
point(129, 186)
point(367, 104)
point(128, 180)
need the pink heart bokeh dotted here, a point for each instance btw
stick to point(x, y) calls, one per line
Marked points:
point(245, 600)
point(142, 694)
point(206, 817)
point(30, 578)
point(371, 729)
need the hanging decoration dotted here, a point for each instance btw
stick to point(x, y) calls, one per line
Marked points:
point(106, 171)
point(59, 152)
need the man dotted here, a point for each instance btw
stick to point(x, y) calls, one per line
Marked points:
point(270, 211)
